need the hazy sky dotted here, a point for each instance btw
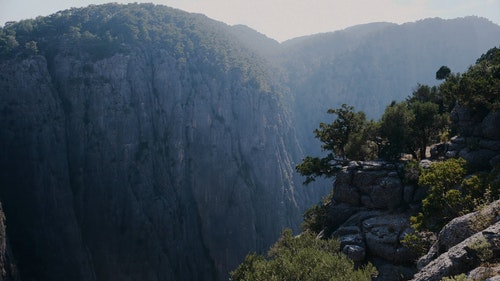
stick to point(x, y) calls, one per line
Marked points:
point(285, 19)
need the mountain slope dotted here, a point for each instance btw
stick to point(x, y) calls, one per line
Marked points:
point(140, 143)
point(370, 65)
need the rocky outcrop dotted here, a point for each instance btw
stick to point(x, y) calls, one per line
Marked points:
point(465, 256)
point(370, 225)
point(478, 141)
point(461, 228)
point(463, 245)
point(369, 215)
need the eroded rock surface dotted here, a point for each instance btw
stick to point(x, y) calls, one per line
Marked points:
point(368, 215)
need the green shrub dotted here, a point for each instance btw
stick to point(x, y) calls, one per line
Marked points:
point(451, 194)
point(301, 258)
point(482, 249)
point(412, 171)
point(444, 200)
point(418, 242)
point(461, 277)
point(315, 217)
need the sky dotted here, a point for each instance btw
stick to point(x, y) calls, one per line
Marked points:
point(285, 19)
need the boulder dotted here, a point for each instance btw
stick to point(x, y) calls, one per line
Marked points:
point(338, 214)
point(351, 239)
point(369, 184)
point(438, 150)
point(387, 193)
point(354, 252)
point(408, 192)
point(490, 126)
point(383, 237)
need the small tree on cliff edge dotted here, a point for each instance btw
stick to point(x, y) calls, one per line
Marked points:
point(347, 137)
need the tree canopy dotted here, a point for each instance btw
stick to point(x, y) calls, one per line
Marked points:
point(479, 87)
point(443, 72)
point(347, 137)
point(409, 126)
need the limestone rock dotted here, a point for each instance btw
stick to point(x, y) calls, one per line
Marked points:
point(490, 272)
point(462, 257)
point(369, 184)
point(467, 122)
point(479, 140)
point(461, 228)
point(479, 159)
point(387, 271)
point(383, 235)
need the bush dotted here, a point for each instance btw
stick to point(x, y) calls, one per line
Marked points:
point(444, 200)
point(315, 217)
point(482, 249)
point(419, 242)
point(461, 277)
point(301, 258)
point(412, 171)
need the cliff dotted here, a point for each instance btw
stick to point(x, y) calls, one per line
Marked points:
point(145, 163)
point(140, 142)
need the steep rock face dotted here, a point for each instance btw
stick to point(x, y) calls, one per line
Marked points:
point(36, 191)
point(141, 173)
point(144, 164)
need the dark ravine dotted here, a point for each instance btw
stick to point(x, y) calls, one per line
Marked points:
point(151, 160)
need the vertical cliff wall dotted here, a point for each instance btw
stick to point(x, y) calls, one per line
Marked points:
point(135, 167)
point(150, 163)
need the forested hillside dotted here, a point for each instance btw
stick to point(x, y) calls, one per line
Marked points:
point(142, 142)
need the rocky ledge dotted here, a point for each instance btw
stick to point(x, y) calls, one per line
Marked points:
point(369, 214)
point(469, 244)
